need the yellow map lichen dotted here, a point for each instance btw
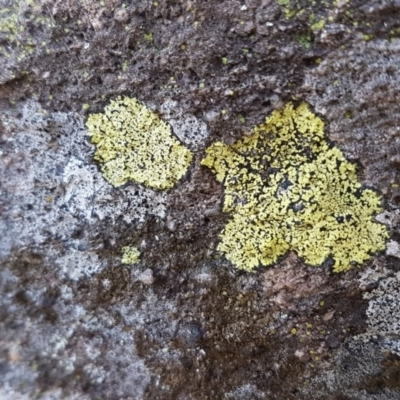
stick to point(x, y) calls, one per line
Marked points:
point(134, 144)
point(130, 255)
point(289, 189)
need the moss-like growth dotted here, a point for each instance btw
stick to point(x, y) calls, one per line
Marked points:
point(350, 14)
point(14, 21)
point(306, 39)
point(289, 189)
point(130, 255)
point(134, 144)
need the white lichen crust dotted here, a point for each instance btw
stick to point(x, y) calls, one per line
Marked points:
point(52, 191)
point(383, 313)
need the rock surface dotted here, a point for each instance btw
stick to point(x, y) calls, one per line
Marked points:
point(182, 322)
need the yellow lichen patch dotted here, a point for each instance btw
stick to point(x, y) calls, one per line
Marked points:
point(130, 255)
point(134, 144)
point(289, 189)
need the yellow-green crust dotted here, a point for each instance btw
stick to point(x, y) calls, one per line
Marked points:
point(289, 189)
point(134, 144)
point(130, 255)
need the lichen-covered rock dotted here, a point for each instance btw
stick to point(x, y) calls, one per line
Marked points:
point(182, 322)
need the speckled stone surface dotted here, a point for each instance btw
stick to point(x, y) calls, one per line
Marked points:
point(182, 322)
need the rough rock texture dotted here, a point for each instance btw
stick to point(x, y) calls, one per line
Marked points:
point(183, 323)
